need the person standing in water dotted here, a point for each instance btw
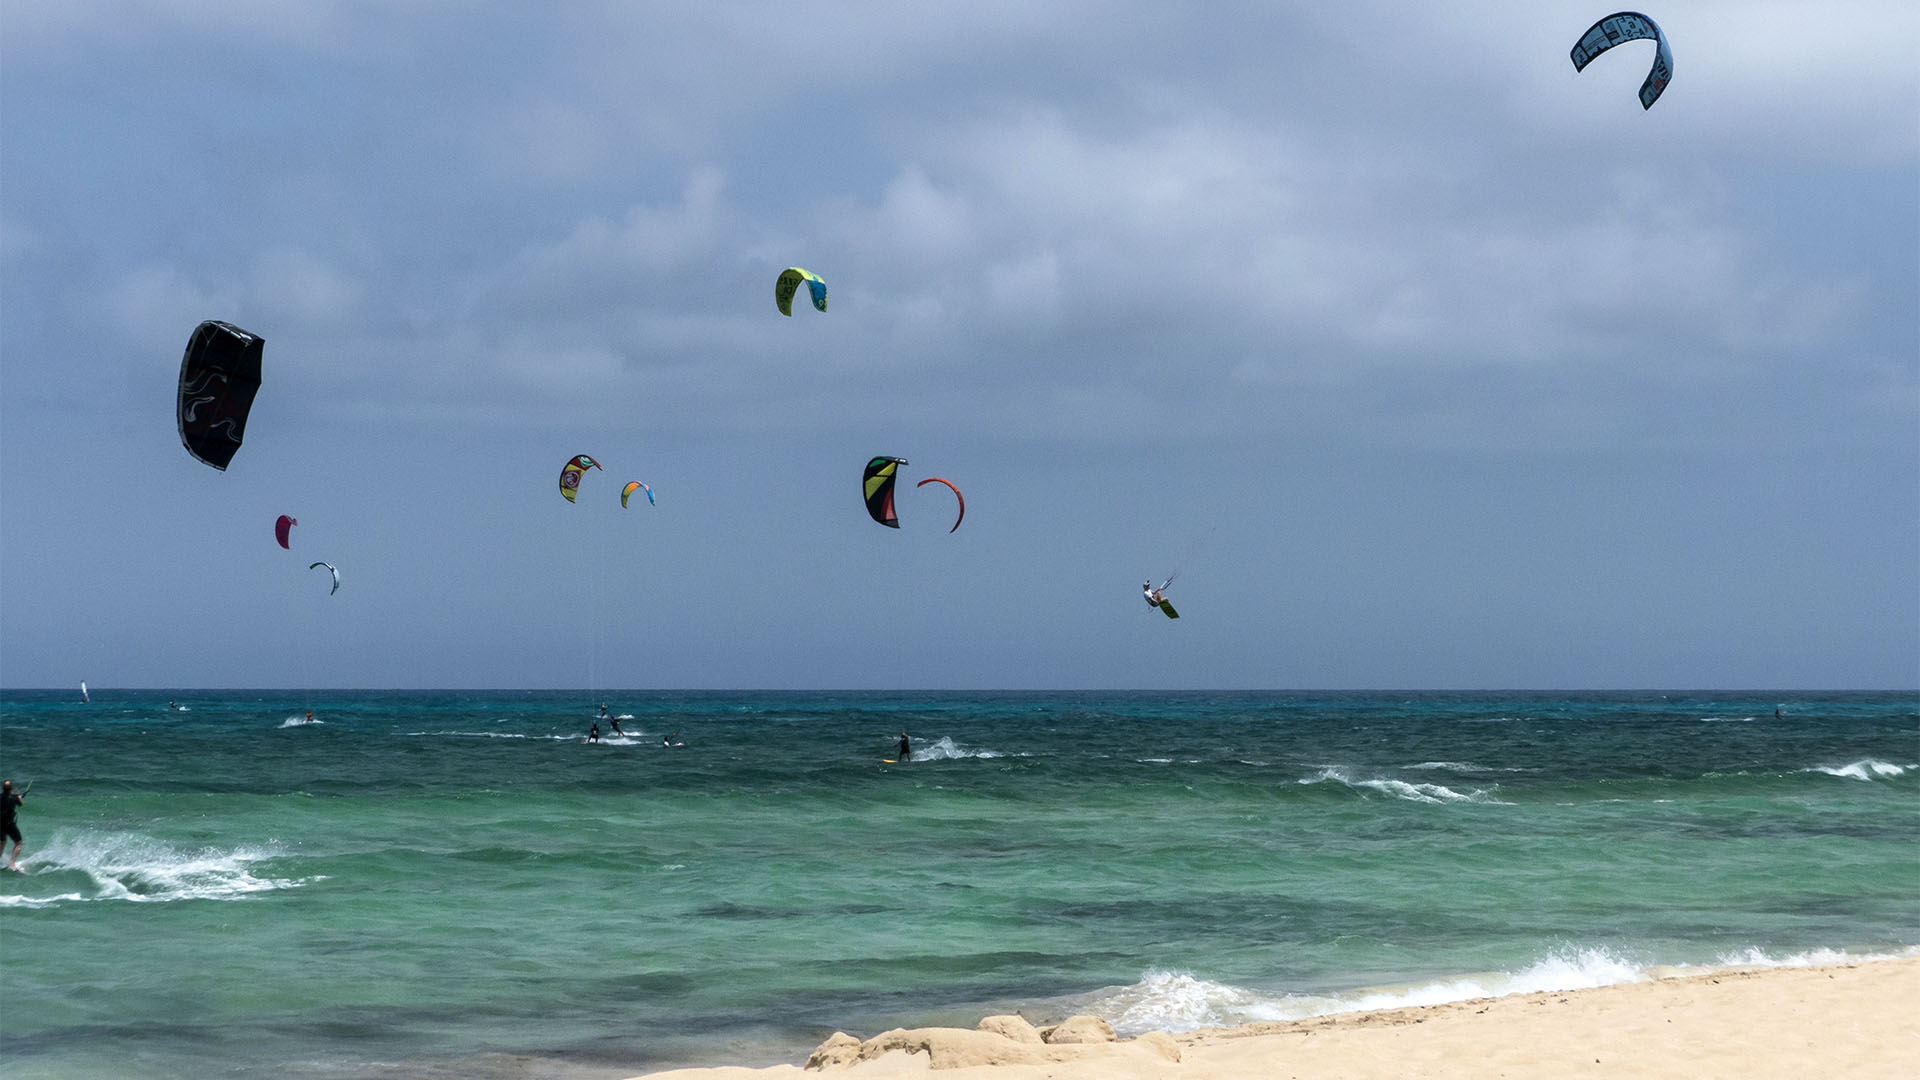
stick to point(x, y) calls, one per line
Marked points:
point(10, 801)
point(906, 748)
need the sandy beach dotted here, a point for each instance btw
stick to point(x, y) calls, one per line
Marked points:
point(1852, 1020)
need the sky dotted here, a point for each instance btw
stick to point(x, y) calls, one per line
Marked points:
point(1418, 359)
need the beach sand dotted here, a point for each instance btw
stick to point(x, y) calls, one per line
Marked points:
point(1850, 1020)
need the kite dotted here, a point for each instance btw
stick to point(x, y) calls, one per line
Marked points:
point(218, 377)
point(282, 529)
point(628, 490)
point(1628, 26)
point(878, 487)
point(789, 281)
point(956, 495)
point(330, 570)
point(570, 476)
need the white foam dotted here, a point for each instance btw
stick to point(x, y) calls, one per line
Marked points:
point(299, 721)
point(139, 869)
point(1401, 789)
point(1864, 769)
point(1754, 957)
point(1175, 1001)
point(944, 749)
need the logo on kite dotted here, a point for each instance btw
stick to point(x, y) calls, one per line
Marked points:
point(877, 485)
point(1628, 26)
point(956, 494)
point(570, 476)
point(218, 377)
point(282, 529)
point(789, 282)
point(633, 485)
point(330, 570)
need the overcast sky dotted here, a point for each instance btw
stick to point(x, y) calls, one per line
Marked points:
point(1423, 360)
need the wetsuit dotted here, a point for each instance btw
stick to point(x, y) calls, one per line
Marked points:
point(906, 751)
point(9, 827)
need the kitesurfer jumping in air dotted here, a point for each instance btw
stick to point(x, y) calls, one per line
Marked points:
point(1157, 598)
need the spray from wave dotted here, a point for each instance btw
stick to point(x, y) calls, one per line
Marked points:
point(86, 866)
point(1401, 789)
point(1864, 769)
point(944, 749)
point(1177, 1001)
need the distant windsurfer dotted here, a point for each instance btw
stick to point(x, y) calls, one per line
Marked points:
point(906, 749)
point(10, 801)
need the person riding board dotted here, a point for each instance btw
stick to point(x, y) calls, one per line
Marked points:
point(10, 801)
point(1157, 598)
point(906, 748)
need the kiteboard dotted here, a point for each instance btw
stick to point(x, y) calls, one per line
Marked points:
point(1168, 608)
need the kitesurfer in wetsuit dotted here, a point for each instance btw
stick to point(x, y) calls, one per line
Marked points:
point(594, 735)
point(615, 721)
point(906, 749)
point(10, 801)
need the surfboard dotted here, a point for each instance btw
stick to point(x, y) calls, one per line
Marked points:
point(1168, 608)
point(889, 761)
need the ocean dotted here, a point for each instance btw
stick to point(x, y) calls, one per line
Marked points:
point(454, 883)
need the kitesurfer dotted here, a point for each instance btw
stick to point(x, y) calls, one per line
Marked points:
point(10, 801)
point(906, 749)
point(309, 717)
point(615, 721)
point(594, 735)
point(1154, 596)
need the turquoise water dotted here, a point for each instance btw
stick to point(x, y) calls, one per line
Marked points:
point(454, 883)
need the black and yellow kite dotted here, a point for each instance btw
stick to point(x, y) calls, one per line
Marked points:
point(878, 488)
